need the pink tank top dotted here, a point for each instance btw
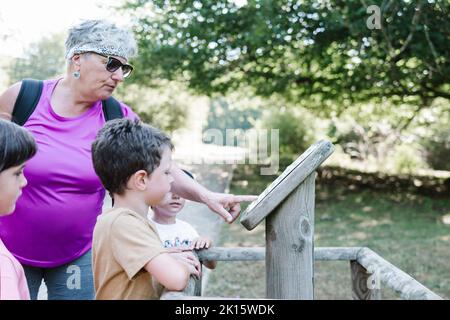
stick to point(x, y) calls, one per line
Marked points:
point(56, 214)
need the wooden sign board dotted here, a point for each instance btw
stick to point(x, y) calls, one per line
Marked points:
point(281, 187)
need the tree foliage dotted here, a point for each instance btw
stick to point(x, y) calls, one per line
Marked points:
point(157, 106)
point(224, 114)
point(43, 59)
point(320, 54)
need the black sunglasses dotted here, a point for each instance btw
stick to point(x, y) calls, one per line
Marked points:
point(114, 64)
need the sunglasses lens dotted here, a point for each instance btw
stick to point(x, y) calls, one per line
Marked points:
point(113, 64)
point(126, 69)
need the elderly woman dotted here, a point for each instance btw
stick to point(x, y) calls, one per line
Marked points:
point(58, 209)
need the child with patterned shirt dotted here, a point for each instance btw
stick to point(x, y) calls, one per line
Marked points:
point(176, 233)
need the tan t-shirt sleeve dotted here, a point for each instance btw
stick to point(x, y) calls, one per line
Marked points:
point(134, 243)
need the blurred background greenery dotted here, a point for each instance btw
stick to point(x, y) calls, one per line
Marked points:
point(313, 70)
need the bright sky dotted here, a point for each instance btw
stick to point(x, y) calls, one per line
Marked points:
point(25, 21)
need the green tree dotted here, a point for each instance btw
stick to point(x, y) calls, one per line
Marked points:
point(319, 54)
point(225, 114)
point(158, 106)
point(44, 59)
point(297, 130)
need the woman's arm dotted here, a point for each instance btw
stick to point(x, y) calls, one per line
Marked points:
point(226, 205)
point(7, 101)
point(187, 187)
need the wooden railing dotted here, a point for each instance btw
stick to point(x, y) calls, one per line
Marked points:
point(368, 271)
point(287, 205)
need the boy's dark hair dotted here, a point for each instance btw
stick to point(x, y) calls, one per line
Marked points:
point(122, 148)
point(17, 145)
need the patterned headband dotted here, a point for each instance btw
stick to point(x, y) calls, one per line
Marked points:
point(108, 50)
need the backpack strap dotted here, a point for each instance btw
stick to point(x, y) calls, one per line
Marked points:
point(111, 109)
point(27, 100)
point(30, 93)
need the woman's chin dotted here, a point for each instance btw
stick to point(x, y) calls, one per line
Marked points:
point(8, 211)
point(105, 94)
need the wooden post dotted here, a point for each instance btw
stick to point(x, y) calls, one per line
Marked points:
point(290, 245)
point(198, 283)
point(394, 278)
point(365, 286)
point(284, 185)
point(287, 204)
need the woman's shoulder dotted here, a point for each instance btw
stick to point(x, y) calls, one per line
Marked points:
point(128, 111)
point(8, 99)
point(9, 96)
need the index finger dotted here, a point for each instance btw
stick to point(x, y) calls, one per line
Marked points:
point(244, 198)
point(224, 214)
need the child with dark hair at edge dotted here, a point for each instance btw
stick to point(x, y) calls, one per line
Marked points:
point(17, 146)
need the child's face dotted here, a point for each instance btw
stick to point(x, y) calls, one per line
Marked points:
point(160, 179)
point(170, 205)
point(12, 181)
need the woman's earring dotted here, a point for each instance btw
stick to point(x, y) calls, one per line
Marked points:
point(76, 74)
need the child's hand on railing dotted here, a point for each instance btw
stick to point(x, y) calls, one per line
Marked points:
point(193, 270)
point(200, 243)
point(189, 259)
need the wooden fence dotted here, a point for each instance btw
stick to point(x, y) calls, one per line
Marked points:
point(287, 206)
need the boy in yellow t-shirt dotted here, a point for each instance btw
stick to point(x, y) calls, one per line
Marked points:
point(133, 162)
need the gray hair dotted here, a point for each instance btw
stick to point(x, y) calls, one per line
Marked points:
point(102, 37)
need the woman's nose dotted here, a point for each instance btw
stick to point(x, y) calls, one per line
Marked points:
point(118, 75)
point(24, 182)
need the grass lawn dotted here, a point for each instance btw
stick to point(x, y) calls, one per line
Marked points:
point(405, 229)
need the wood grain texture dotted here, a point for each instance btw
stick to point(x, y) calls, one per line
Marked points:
point(290, 179)
point(394, 278)
point(368, 269)
point(290, 247)
point(259, 253)
point(365, 286)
